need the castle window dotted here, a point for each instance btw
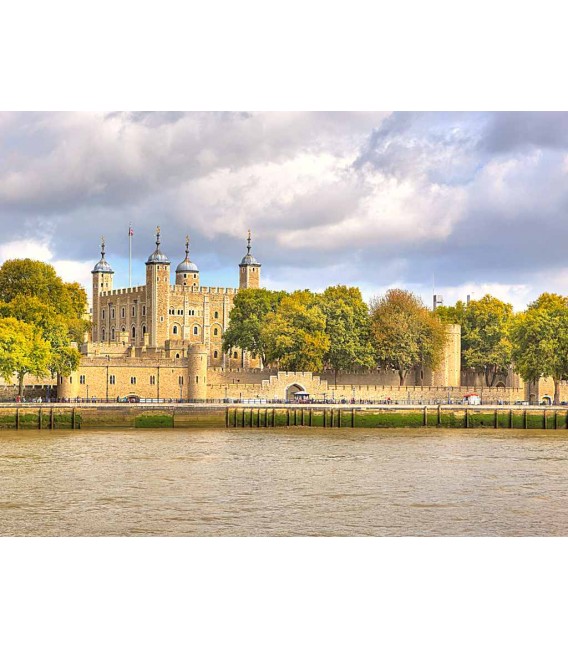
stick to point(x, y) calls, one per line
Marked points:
point(215, 354)
point(112, 379)
point(123, 330)
point(112, 314)
point(152, 380)
point(103, 315)
point(143, 310)
point(216, 314)
point(180, 380)
point(185, 275)
point(175, 329)
point(143, 329)
point(132, 380)
point(215, 331)
point(82, 379)
point(177, 355)
point(133, 332)
point(197, 379)
point(122, 312)
point(235, 355)
point(70, 379)
point(180, 311)
point(194, 277)
point(133, 311)
point(195, 331)
point(103, 335)
point(161, 318)
point(112, 334)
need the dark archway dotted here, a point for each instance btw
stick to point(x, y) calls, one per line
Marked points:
point(292, 389)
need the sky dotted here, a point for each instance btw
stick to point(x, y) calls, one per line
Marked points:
point(456, 203)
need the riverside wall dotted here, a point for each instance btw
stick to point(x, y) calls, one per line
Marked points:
point(188, 416)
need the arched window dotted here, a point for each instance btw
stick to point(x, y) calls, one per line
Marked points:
point(123, 329)
point(215, 354)
point(216, 314)
point(143, 329)
point(133, 332)
point(195, 331)
point(122, 312)
point(112, 334)
point(103, 335)
point(215, 331)
point(175, 330)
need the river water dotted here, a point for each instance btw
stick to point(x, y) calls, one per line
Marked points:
point(283, 482)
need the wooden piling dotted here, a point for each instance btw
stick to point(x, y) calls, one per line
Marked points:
point(17, 418)
point(51, 420)
point(39, 422)
point(425, 416)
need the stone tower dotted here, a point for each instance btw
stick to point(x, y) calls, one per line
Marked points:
point(102, 282)
point(157, 295)
point(249, 270)
point(187, 273)
point(197, 372)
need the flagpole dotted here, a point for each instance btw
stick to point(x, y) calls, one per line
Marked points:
point(130, 255)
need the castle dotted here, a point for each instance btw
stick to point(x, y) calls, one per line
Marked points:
point(164, 341)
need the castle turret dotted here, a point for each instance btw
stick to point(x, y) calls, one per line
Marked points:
point(197, 372)
point(158, 295)
point(187, 273)
point(249, 269)
point(102, 282)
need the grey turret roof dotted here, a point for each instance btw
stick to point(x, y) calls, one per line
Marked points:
point(157, 257)
point(187, 266)
point(102, 266)
point(248, 259)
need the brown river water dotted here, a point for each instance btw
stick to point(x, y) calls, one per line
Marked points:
point(283, 483)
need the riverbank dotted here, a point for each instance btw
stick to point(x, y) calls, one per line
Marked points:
point(215, 416)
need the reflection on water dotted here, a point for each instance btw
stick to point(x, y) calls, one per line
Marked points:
point(283, 482)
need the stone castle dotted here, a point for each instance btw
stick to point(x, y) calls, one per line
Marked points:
point(163, 340)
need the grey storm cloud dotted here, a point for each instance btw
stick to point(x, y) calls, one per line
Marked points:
point(369, 198)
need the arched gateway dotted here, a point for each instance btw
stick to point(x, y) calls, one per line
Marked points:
point(292, 389)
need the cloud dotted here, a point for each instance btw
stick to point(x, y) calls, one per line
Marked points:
point(373, 199)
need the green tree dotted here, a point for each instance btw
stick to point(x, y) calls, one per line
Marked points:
point(22, 351)
point(348, 328)
point(248, 317)
point(485, 325)
point(31, 292)
point(539, 338)
point(405, 333)
point(294, 335)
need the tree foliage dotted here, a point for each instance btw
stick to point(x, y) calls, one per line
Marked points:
point(248, 317)
point(348, 328)
point(539, 339)
point(405, 333)
point(485, 327)
point(294, 335)
point(32, 293)
point(22, 351)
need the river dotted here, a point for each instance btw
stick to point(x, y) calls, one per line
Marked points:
point(283, 482)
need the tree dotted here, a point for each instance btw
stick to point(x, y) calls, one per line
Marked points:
point(348, 328)
point(485, 324)
point(405, 333)
point(248, 317)
point(294, 335)
point(31, 292)
point(539, 338)
point(22, 351)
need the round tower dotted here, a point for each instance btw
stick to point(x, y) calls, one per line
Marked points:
point(102, 282)
point(68, 386)
point(197, 372)
point(187, 273)
point(157, 295)
point(249, 269)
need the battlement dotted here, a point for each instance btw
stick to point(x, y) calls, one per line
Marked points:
point(135, 290)
point(178, 288)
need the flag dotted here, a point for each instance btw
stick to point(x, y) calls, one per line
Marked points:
point(130, 232)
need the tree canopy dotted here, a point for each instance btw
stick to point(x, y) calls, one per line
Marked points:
point(294, 335)
point(486, 345)
point(540, 340)
point(22, 351)
point(405, 333)
point(32, 293)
